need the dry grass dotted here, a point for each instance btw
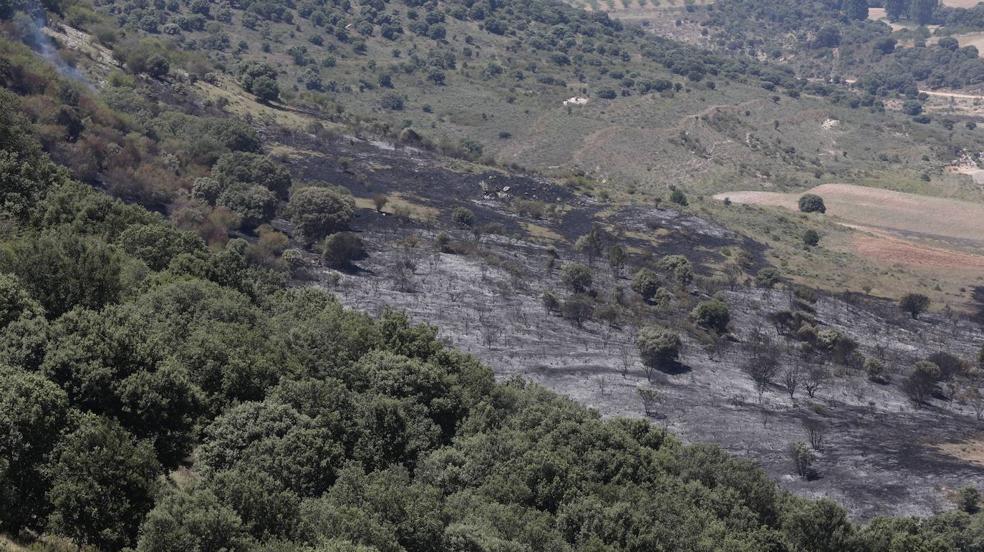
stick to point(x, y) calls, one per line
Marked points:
point(541, 233)
point(931, 217)
point(399, 204)
point(240, 103)
point(886, 249)
point(971, 451)
point(960, 3)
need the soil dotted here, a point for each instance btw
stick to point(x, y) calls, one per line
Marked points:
point(912, 230)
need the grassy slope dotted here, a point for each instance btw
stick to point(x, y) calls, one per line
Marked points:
point(735, 136)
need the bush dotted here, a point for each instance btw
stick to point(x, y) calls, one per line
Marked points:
point(250, 168)
point(811, 238)
point(576, 277)
point(659, 348)
point(920, 382)
point(259, 79)
point(768, 277)
point(812, 203)
point(463, 217)
point(255, 205)
point(646, 283)
point(914, 304)
point(577, 309)
point(339, 250)
point(317, 212)
point(678, 197)
point(875, 370)
point(712, 315)
point(803, 459)
point(969, 499)
point(550, 302)
point(393, 102)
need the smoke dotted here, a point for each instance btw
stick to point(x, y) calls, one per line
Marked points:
point(30, 24)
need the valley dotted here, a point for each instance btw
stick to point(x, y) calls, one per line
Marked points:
point(473, 275)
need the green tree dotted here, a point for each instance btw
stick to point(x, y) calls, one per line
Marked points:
point(921, 11)
point(339, 250)
point(856, 9)
point(158, 244)
point(811, 238)
point(192, 520)
point(768, 277)
point(266, 508)
point(659, 348)
point(920, 382)
point(646, 283)
point(577, 309)
point(678, 197)
point(254, 204)
point(259, 79)
point(250, 168)
point(102, 484)
point(914, 304)
point(463, 217)
point(317, 212)
point(969, 500)
point(64, 270)
point(820, 526)
point(712, 315)
point(679, 266)
point(896, 9)
point(812, 203)
point(33, 411)
point(576, 277)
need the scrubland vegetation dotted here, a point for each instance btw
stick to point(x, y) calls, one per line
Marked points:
point(171, 379)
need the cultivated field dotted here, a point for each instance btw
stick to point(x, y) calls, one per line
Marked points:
point(911, 230)
point(960, 3)
point(912, 214)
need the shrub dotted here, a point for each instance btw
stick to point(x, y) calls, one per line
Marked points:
point(393, 102)
point(259, 79)
point(463, 217)
point(914, 304)
point(659, 348)
point(678, 197)
point(811, 238)
point(339, 250)
point(577, 309)
point(812, 203)
point(803, 459)
point(920, 382)
point(712, 315)
point(969, 499)
point(875, 370)
point(680, 266)
point(250, 168)
point(550, 302)
point(646, 283)
point(318, 212)
point(576, 277)
point(768, 277)
point(255, 205)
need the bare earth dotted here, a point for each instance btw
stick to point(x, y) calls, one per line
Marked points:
point(897, 228)
point(874, 207)
point(960, 3)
